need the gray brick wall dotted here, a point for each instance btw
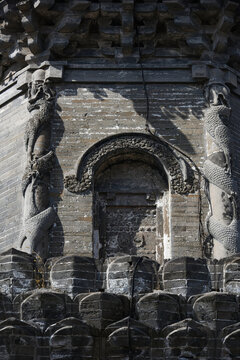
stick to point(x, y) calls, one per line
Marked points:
point(88, 113)
point(13, 116)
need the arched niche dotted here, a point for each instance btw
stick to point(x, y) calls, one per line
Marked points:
point(130, 178)
point(180, 175)
point(130, 190)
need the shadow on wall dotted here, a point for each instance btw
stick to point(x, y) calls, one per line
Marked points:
point(56, 241)
point(168, 105)
point(174, 113)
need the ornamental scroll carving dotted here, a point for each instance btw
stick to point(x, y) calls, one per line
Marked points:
point(181, 176)
point(222, 221)
point(38, 215)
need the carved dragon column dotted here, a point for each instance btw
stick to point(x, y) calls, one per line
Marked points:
point(38, 216)
point(221, 188)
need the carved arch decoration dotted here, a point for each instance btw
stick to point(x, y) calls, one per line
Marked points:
point(181, 176)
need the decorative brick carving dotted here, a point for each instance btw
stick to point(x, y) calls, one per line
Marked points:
point(38, 216)
point(108, 29)
point(40, 99)
point(124, 307)
point(221, 188)
point(182, 179)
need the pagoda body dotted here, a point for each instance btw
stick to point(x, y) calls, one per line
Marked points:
point(119, 181)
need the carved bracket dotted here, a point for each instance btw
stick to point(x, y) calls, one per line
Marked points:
point(24, 23)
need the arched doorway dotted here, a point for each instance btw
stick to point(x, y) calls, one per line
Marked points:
point(129, 192)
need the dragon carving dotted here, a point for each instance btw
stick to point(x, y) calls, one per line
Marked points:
point(221, 189)
point(38, 215)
